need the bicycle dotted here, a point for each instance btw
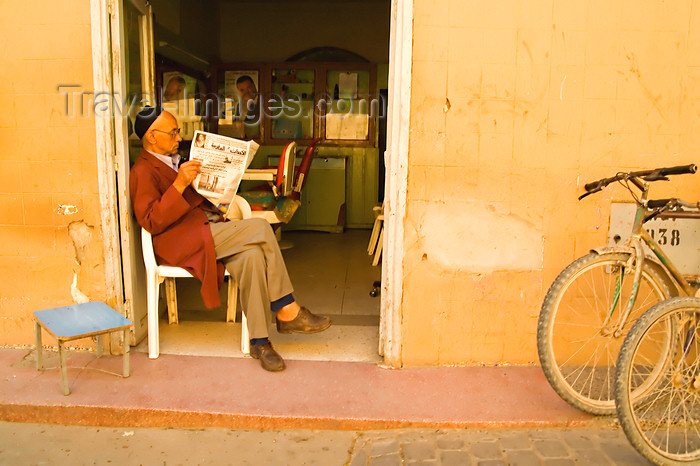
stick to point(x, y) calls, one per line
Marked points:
point(663, 423)
point(594, 301)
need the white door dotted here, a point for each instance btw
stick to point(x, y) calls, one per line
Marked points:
point(400, 52)
point(131, 24)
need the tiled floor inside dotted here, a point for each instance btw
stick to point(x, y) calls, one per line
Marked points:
point(332, 274)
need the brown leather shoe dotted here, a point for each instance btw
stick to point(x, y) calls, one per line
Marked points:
point(304, 322)
point(270, 360)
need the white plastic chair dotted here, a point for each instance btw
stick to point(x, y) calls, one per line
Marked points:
point(157, 274)
point(376, 239)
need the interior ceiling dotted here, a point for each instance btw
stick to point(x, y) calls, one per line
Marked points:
point(304, 1)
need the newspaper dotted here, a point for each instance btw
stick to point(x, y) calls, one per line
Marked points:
point(223, 161)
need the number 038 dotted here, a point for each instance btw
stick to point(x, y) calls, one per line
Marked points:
point(664, 236)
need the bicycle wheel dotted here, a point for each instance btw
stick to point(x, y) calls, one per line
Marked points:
point(577, 339)
point(664, 423)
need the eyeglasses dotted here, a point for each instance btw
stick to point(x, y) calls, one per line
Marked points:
point(172, 133)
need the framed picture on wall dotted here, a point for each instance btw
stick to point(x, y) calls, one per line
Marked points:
point(242, 108)
point(177, 93)
point(177, 85)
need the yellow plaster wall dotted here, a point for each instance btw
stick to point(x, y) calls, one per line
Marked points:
point(47, 163)
point(515, 105)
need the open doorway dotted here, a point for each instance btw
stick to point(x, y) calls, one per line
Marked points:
point(346, 283)
point(329, 265)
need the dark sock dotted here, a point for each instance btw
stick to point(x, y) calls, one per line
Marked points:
point(280, 303)
point(259, 341)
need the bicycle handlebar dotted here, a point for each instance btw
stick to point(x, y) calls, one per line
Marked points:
point(647, 175)
point(680, 170)
point(672, 203)
point(656, 203)
point(669, 207)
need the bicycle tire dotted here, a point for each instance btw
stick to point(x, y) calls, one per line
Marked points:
point(574, 295)
point(674, 394)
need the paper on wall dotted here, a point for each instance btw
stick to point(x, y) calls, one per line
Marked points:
point(351, 126)
point(347, 85)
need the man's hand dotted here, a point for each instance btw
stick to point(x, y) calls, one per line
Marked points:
point(187, 173)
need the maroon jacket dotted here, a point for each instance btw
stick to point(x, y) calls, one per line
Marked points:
point(178, 223)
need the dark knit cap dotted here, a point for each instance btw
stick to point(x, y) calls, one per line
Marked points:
point(144, 120)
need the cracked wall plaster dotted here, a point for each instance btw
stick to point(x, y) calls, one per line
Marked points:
point(80, 234)
point(66, 209)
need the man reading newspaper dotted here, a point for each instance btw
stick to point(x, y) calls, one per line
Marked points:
point(190, 232)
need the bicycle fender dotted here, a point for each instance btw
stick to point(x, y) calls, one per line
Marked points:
point(653, 262)
point(610, 249)
point(626, 250)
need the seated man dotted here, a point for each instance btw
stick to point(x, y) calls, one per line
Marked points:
point(190, 232)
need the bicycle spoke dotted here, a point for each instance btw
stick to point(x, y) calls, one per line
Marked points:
point(593, 366)
point(607, 296)
point(686, 415)
point(668, 415)
point(580, 372)
point(574, 325)
point(589, 305)
point(692, 409)
point(658, 425)
point(592, 288)
point(676, 408)
point(611, 363)
point(579, 341)
point(660, 392)
point(672, 409)
point(577, 351)
point(648, 301)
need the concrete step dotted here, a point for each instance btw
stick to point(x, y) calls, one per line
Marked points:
point(356, 343)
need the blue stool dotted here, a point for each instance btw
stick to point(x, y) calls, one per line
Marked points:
point(68, 323)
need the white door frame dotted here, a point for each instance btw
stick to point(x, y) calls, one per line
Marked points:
point(398, 119)
point(128, 228)
point(106, 164)
point(107, 26)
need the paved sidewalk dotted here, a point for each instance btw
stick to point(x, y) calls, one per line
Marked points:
point(67, 445)
point(198, 391)
point(452, 447)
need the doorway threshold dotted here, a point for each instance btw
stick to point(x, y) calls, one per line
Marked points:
point(331, 273)
point(347, 343)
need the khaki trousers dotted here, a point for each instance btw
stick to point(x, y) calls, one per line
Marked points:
point(249, 251)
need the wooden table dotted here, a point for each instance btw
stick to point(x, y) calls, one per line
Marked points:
point(77, 321)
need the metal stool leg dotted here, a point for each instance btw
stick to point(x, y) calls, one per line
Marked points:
point(39, 349)
point(127, 349)
point(62, 366)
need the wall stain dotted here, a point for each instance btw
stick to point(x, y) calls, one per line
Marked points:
point(529, 52)
point(634, 69)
